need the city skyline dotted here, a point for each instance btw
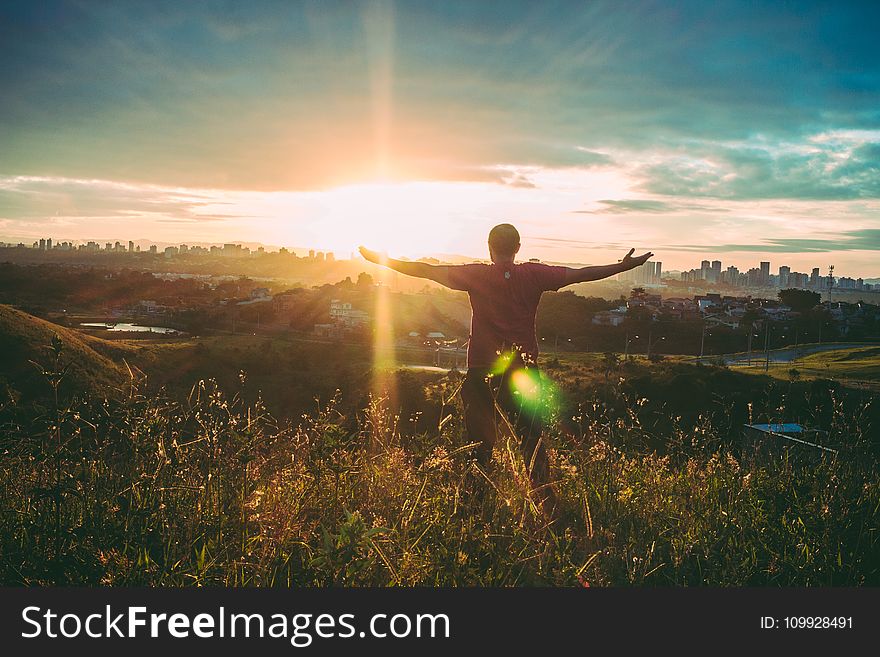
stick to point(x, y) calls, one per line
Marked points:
point(710, 270)
point(743, 132)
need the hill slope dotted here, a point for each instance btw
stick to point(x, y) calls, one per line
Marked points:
point(94, 363)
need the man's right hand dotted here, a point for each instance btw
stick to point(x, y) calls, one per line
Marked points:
point(372, 256)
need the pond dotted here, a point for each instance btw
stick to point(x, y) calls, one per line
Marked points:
point(129, 328)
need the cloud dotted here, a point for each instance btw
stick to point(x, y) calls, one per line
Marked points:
point(815, 169)
point(279, 96)
point(521, 181)
point(866, 239)
point(650, 206)
point(26, 198)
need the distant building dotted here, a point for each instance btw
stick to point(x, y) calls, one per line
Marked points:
point(342, 314)
point(646, 274)
point(286, 301)
point(609, 318)
point(234, 251)
point(784, 274)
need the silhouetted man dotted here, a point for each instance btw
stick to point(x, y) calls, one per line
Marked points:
point(503, 348)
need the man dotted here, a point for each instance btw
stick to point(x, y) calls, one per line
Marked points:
point(503, 348)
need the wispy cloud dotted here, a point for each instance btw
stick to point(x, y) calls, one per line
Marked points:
point(30, 197)
point(813, 169)
point(867, 239)
point(650, 206)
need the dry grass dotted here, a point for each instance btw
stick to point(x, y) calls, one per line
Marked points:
point(212, 490)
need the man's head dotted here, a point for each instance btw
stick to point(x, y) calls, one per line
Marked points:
point(503, 243)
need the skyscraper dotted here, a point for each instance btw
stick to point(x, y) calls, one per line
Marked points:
point(704, 270)
point(765, 273)
point(784, 274)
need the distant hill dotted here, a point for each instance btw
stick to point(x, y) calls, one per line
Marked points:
point(95, 363)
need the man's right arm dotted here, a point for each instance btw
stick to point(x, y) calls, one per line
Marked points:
point(437, 273)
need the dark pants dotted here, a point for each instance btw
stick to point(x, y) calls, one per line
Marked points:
point(518, 397)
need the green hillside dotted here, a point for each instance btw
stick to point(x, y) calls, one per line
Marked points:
point(95, 364)
point(855, 367)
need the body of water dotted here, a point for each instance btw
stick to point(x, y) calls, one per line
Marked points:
point(129, 328)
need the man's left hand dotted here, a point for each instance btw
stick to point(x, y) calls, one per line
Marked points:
point(631, 263)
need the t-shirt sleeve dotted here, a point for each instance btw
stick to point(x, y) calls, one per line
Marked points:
point(461, 277)
point(550, 277)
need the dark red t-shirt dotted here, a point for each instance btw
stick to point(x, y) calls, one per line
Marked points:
point(504, 301)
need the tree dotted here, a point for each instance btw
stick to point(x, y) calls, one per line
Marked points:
point(364, 280)
point(800, 301)
point(346, 284)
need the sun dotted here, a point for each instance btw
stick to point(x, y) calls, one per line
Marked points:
point(403, 219)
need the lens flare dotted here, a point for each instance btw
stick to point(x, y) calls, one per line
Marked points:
point(535, 392)
point(501, 363)
point(384, 360)
point(526, 385)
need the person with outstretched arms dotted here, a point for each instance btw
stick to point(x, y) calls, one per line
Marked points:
point(502, 374)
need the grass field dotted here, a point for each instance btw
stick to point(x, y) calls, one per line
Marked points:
point(856, 366)
point(185, 477)
point(212, 490)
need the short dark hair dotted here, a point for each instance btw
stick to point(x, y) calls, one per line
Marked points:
point(504, 239)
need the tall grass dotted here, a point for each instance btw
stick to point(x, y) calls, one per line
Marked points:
point(143, 489)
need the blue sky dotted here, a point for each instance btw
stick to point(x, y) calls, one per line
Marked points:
point(746, 130)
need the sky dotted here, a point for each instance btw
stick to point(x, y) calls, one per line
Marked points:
point(739, 131)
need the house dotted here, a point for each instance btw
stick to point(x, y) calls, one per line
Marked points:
point(326, 330)
point(609, 318)
point(342, 314)
point(285, 301)
point(151, 307)
point(722, 320)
